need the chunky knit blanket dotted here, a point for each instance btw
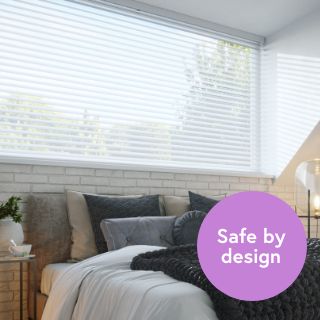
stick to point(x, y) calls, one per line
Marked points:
point(301, 301)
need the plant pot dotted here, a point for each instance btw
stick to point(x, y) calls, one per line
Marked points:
point(10, 230)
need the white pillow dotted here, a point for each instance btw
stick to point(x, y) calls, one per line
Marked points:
point(83, 242)
point(177, 206)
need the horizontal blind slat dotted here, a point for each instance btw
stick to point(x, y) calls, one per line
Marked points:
point(239, 89)
point(133, 151)
point(12, 114)
point(220, 77)
point(87, 52)
point(196, 143)
point(51, 98)
point(175, 132)
point(109, 149)
point(135, 90)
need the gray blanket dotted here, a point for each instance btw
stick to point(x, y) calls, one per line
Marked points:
point(301, 301)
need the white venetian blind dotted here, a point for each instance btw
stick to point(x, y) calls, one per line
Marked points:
point(85, 82)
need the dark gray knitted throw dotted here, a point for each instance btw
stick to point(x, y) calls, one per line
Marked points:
point(301, 301)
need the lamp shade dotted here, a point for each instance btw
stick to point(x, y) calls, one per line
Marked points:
point(307, 181)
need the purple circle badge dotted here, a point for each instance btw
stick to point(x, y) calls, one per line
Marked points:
point(252, 246)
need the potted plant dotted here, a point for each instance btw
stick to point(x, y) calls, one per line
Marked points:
point(10, 223)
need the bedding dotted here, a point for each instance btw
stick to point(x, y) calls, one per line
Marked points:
point(153, 231)
point(83, 241)
point(83, 244)
point(104, 287)
point(201, 203)
point(114, 207)
point(49, 275)
point(175, 206)
point(301, 301)
point(186, 227)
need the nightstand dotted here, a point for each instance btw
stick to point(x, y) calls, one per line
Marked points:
point(32, 263)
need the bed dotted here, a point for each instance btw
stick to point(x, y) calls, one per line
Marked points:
point(105, 286)
point(50, 274)
point(49, 228)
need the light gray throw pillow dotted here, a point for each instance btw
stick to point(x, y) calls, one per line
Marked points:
point(153, 231)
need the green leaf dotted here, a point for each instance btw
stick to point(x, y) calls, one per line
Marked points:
point(11, 209)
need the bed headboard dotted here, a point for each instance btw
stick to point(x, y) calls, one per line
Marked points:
point(47, 228)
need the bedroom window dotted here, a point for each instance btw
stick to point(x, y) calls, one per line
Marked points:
point(104, 85)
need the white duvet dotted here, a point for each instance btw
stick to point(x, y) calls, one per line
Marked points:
point(104, 287)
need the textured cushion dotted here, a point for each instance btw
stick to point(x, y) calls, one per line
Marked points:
point(186, 227)
point(83, 240)
point(153, 231)
point(48, 230)
point(202, 203)
point(175, 206)
point(101, 207)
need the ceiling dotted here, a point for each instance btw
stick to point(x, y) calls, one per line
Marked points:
point(261, 17)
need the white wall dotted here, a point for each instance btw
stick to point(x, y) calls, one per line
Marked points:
point(290, 91)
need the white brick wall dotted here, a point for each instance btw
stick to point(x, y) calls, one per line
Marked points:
point(24, 179)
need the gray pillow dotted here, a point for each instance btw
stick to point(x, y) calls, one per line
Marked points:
point(100, 208)
point(153, 231)
point(186, 227)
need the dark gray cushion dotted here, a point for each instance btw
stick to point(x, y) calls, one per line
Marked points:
point(186, 227)
point(153, 231)
point(201, 203)
point(108, 207)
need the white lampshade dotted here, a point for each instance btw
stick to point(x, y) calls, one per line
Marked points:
point(307, 179)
